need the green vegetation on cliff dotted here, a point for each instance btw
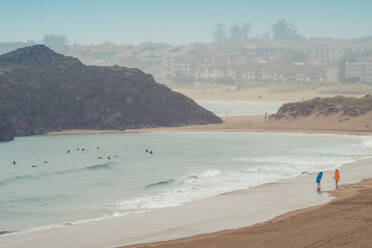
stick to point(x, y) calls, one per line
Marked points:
point(348, 106)
point(42, 91)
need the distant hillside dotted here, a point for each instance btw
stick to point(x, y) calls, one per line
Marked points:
point(42, 91)
point(345, 106)
point(6, 47)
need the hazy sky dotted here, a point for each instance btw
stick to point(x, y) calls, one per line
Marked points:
point(176, 21)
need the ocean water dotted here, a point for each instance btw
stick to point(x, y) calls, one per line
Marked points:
point(236, 108)
point(78, 187)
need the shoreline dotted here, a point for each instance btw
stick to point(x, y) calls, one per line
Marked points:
point(249, 207)
point(253, 123)
point(288, 229)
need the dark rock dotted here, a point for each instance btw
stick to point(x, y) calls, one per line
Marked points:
point(6, 131)
point(42, 91)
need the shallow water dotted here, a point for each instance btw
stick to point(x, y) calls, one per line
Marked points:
point(78, 186)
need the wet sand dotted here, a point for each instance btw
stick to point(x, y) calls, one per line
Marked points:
point(227, 211)
point(344, 222)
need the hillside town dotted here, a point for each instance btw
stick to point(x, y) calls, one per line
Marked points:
point(233, 58)
point(254, 60)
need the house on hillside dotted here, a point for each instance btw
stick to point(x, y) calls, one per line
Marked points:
point(359, 71)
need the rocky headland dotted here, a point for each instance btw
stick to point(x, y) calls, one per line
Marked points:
point(43, 91)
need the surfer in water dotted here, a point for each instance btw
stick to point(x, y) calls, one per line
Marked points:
point(14, 162)
point(318, 179)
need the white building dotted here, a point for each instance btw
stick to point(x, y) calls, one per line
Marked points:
point(359, 70)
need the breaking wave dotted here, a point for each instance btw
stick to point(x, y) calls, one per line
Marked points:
point(63, 172)
point(165, 182)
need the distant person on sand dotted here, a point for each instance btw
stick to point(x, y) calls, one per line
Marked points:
point(318, 179)
point(337, 177)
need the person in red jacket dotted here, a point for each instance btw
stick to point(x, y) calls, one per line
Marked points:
point(337, 177)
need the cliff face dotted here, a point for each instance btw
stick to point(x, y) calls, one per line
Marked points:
point(6, 131)
point(42, 91)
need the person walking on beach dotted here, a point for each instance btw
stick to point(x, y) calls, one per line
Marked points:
point(337, 177)
point(318, 179)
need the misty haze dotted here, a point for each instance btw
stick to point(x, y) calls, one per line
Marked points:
point(185, 124)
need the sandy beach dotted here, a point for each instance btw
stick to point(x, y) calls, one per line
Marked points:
point(225, 212)
point(335, 123)
point(262, 94)
point(344, 222)
point(309, 124)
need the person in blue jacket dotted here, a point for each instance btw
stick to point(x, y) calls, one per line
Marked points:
point(318, 179)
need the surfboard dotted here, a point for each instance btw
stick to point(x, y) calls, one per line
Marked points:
point(319, 177)
point(337, 175)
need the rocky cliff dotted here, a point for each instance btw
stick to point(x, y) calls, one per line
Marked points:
point(41, 91)
point(6, 131)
